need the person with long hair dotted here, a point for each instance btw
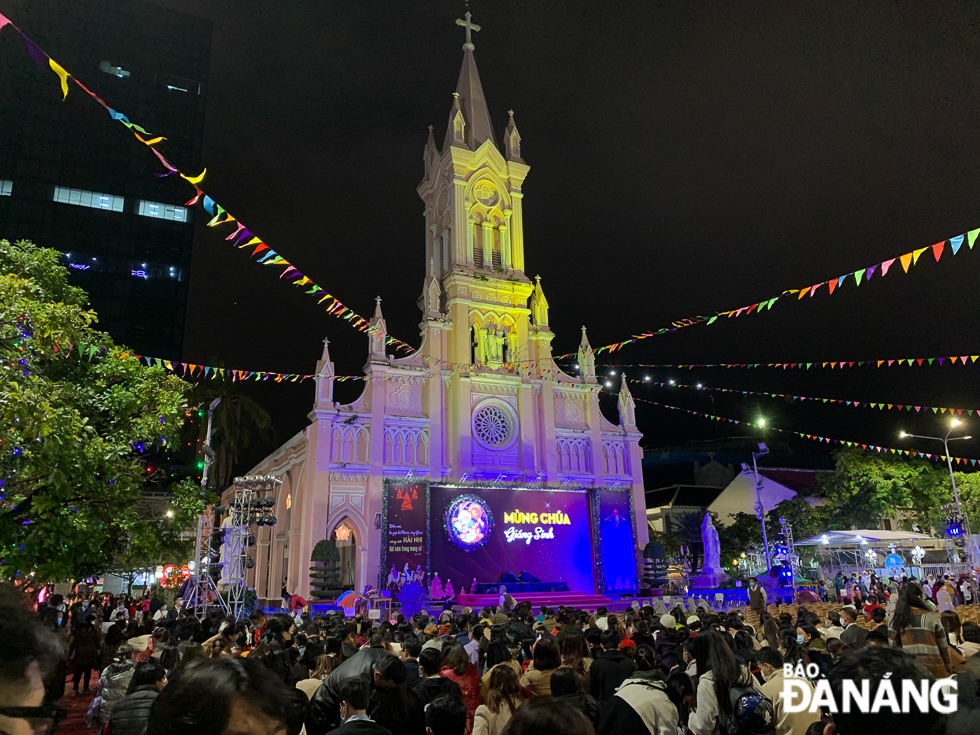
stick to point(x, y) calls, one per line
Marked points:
point(770, 631)
point(917, 629)
point(456, 667)
point(504, 696)
point(545, 659)
point(952, 626)
point(498, 654)
point(273, 651)
point(576, 655)
point(719, 671)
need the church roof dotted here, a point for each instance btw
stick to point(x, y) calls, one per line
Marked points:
point(473, 104)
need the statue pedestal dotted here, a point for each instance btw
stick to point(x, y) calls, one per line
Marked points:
point(709, 579)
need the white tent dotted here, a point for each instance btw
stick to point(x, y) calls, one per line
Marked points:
point(869, 537)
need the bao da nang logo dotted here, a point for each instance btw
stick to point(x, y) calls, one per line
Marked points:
point(469, 522)
point(900, 696)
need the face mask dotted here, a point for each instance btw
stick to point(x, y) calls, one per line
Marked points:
point(768, 676)
point(799, 639)
point(752, 584)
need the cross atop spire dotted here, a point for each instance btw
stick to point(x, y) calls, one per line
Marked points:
point(470, 27)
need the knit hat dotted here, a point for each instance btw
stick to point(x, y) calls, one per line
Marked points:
point(691, 620)
point(668, 622)
point(434, 643)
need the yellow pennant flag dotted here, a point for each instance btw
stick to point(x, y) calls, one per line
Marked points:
point(916, 254)
point(62, 74)
point(151, 141)
point(195, 179)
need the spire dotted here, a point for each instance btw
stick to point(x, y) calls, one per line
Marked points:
point(430, 152)
point(324, 387)
point(469, 119)
point(512, 140)
point(378, 337)
point(627, 407)
point(586, 359)
point(539, 304)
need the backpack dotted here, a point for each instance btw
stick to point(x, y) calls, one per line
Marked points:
point(752, 713)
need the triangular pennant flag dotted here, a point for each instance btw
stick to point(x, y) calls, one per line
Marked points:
point(62, 75)
point(3, 21)
point(195, 179)
point(209, 204)
point(871, 272)
point(886, 265)
point(971, 237)
point(937, 250)
point(906, 260)
point(802, 293)
point(832, 284)
point(955, 243)
point(916, 254)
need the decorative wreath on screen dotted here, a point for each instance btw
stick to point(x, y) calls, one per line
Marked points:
point(468, 522)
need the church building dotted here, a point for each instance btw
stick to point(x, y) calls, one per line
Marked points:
point(480, 405)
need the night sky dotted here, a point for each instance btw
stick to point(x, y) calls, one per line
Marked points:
point(685, 158)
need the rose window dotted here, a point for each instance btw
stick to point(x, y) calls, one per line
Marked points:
point(492, 426)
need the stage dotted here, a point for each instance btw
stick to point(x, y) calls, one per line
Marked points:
point(575, 544)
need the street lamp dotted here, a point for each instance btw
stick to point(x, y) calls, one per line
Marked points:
point(956, 496)
point(763, 450)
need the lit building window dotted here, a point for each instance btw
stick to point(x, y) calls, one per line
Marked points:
point(88, 199)
point(6, 187)
point(162, 211)
point(116, 71)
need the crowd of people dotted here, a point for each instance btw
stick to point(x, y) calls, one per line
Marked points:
point(161, 671)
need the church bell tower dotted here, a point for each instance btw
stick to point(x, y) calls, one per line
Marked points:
point(472, 190)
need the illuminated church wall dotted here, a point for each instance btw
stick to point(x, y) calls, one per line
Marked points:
point(481, 399)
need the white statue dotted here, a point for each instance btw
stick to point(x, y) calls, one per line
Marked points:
point(712, 547)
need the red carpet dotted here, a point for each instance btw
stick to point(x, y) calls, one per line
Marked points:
point(74, 722)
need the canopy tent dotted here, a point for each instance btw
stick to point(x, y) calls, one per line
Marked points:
point(870, 537)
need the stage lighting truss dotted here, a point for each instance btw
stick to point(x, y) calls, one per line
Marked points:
point(251, 505)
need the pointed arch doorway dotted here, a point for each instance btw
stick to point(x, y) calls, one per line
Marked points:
point(345, 538)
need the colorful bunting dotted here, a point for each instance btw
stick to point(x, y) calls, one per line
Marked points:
point(813, 437)
point(862, 274)
point(837, 401)
point(904, 361)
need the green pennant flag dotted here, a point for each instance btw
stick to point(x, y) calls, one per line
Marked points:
point(932, 360)
point(858, 275)
point(712, 320)
point(971, 237)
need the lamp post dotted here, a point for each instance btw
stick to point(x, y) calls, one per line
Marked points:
point(760, 510)
point(956, 496)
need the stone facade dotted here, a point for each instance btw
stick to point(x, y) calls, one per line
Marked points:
point(481, 399)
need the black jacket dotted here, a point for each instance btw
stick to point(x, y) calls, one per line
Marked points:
point(607, 672)
point(413, 678)
point(323, 714)
point(854, 635)
point(131, 713)
point(429, 689)
point(361, 727)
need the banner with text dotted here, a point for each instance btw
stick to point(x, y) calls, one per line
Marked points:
point(404, 538)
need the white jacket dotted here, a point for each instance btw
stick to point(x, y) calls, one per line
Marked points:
point(795, 723)
point(704, 720)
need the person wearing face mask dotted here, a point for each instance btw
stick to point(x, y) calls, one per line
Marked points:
point(354, 694)
point(757, 597)
point(787, 723)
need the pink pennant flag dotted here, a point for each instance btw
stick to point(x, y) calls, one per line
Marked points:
point(3, 21)
point(886, 265)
